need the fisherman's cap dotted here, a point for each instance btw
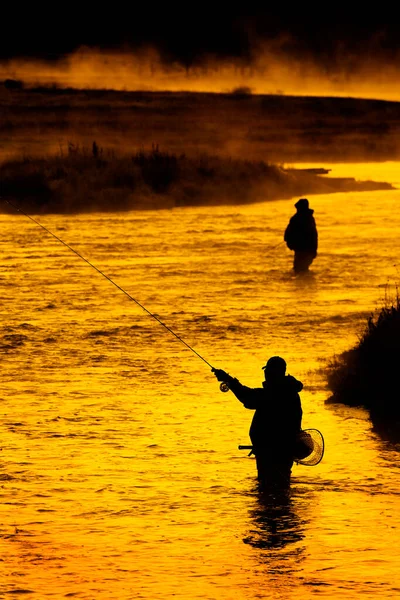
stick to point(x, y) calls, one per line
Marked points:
point(302, 203)
point(275, 362)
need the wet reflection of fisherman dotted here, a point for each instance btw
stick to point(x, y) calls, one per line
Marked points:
point(301, 236)
point(275, 522)
point(276, 421)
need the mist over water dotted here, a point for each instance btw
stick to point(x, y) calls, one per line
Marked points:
point(120, 474)
point(269, 70)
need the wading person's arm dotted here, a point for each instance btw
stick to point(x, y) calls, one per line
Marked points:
point(249, 397)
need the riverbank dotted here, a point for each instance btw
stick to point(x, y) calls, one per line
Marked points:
point(367, 374)
point(80, 179)
point(273, 128)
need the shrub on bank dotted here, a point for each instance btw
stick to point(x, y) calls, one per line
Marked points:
point(367, 375)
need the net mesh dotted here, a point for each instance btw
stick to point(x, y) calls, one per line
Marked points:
point(309, 447)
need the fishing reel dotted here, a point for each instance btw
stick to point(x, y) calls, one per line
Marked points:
point(224, 387)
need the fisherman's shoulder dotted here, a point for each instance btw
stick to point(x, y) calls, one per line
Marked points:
point(235, 384)
point(294, 384)
point(256, 391)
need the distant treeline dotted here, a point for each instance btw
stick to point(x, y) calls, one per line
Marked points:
point(80, 179)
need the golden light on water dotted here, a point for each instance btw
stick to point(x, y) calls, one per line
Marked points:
point(267, 73)
point(120, 474)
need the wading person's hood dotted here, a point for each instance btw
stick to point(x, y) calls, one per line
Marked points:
point(305, 212)
point(289, 383)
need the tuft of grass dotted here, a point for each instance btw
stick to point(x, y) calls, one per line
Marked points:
point(242, 91)
point(367, 374)
point(159, 170)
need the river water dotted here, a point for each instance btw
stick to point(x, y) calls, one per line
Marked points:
point(120, 475)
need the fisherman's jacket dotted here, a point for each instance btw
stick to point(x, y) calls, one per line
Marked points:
point(301, 233)
point(278, 413)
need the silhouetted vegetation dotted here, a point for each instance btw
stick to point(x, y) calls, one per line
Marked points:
point(159, 170)
point(242, 91)
point(367, 375)
point(80, 179)
point(13, 84)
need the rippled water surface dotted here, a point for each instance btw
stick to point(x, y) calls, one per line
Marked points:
point(120, 475)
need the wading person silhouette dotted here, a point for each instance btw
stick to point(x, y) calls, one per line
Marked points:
point(276, 421)
point(301, 236)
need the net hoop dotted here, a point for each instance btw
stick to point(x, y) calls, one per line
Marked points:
point(309, 447)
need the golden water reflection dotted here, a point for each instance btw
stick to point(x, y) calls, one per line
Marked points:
point(120, 475)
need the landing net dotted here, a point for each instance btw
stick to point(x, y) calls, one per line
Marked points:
point(309, 447)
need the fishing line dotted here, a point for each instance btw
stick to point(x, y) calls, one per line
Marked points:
point(276, 246)
point(316, 452)
point(111, 281)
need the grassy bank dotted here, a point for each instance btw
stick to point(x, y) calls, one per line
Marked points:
point(266, 127)
point(80, 179)
point(367, 375)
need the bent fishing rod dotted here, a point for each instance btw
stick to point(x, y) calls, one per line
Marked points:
point(113, 283)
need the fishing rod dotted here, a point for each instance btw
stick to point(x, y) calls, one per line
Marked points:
point(314, 441)
point(276, 246)
point(111, 281)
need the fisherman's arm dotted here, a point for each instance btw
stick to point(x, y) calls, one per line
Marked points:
point(314, 236)
point(294, 386)
point(249, 397)
point(289, 234)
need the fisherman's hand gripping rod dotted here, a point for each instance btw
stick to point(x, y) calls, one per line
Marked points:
point(223, 377)
point(223, 387)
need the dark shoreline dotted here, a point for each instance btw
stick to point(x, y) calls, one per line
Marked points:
point(88, 180)
point(366, 375)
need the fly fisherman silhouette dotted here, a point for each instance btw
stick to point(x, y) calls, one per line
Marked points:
point(301, 236)
point(276, 422)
